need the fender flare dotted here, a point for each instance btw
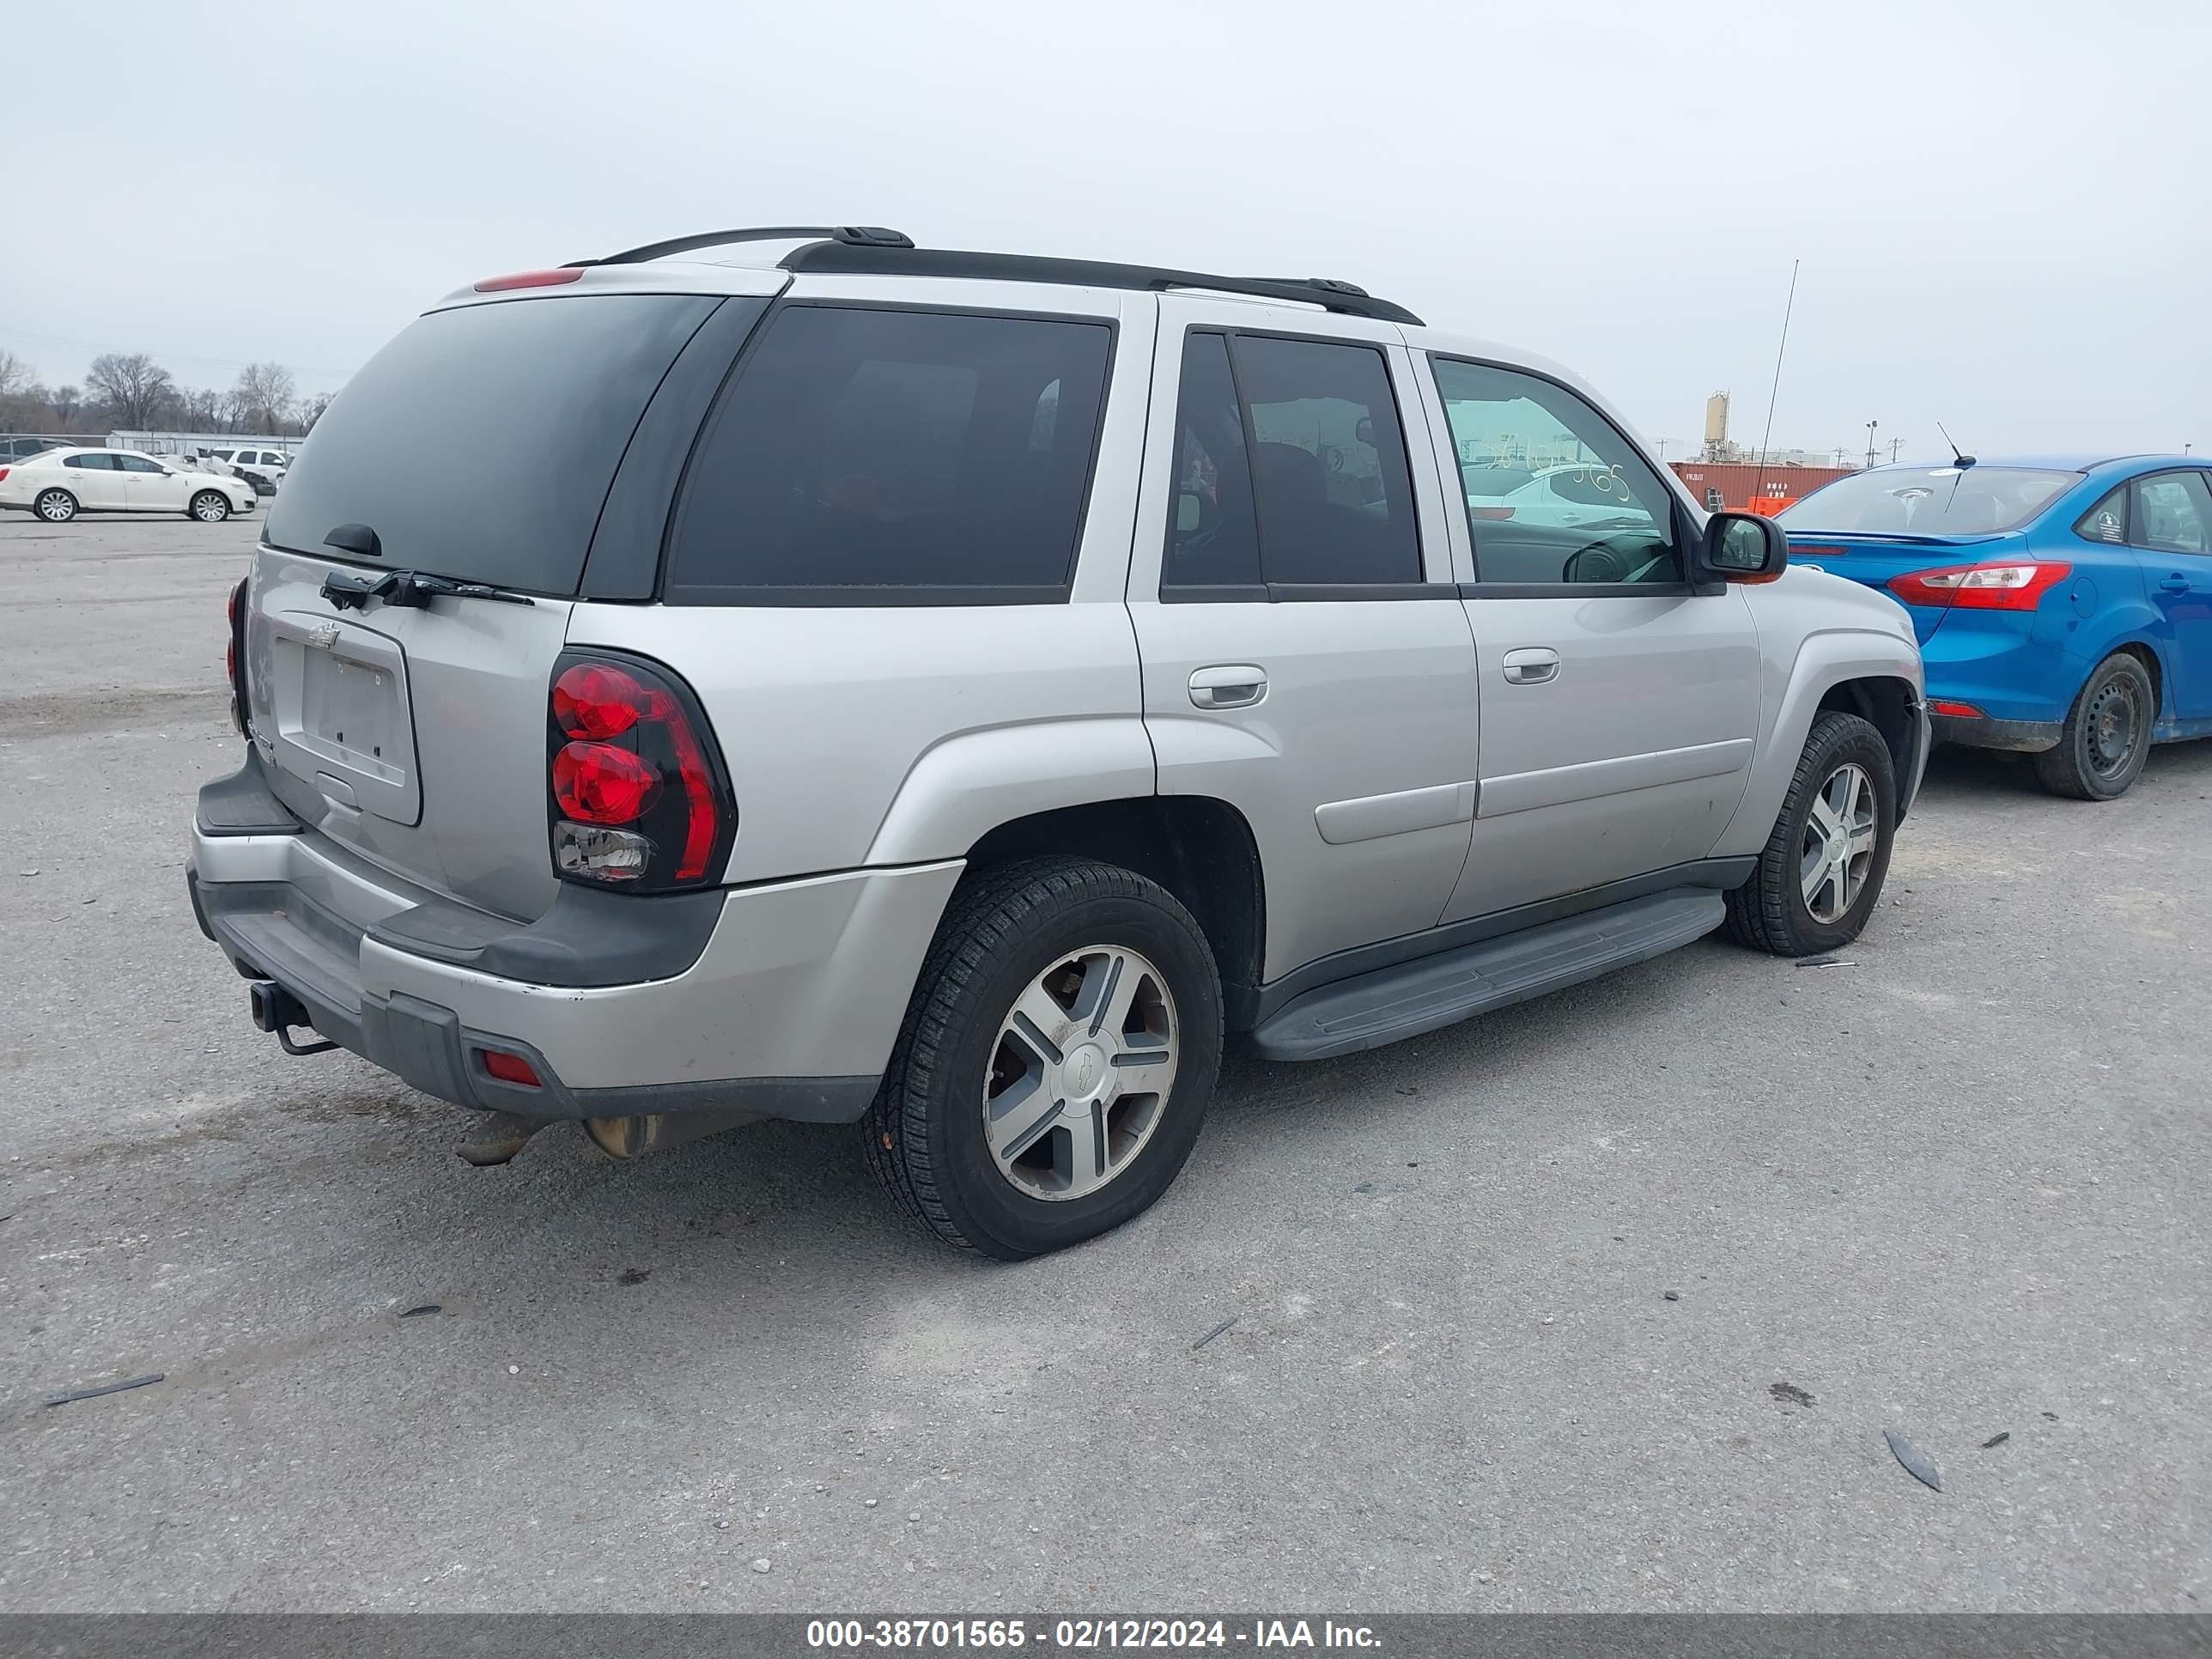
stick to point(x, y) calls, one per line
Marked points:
point(1826, 659)
point(963, 787)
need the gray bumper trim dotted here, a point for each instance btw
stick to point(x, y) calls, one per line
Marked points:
point(2022, 736)
point(272, 931)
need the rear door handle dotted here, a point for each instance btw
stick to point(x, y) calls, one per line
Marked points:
point(1532, 665)
point(1228, 685)
point(2177, 583)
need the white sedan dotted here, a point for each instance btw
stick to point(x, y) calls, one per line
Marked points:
point(1574, 496)
point(60, 484)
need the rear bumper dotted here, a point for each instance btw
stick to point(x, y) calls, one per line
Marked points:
point(2025, 737)
point(782, 1000)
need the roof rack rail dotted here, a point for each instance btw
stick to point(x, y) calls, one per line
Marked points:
point(852, 235)
point(892, 259)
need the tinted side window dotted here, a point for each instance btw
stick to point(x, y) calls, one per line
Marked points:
point(866, 449)
point(134, 463)
point(91, 462)
point(2107, 521)
point(1213, 539)
point(1336, 496)
point(2173, 514)
point(1592, 509)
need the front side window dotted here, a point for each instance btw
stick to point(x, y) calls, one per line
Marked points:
point(2173, 514)
point(866, 451)
point(1554, 493)
point(134, 464)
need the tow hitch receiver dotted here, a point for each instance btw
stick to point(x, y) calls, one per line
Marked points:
point(276, 1009)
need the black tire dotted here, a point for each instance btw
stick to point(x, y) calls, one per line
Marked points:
point(55, 506)
point(208, 507)
point(2106, 738)
point(1005, 926)
point(1770, 911)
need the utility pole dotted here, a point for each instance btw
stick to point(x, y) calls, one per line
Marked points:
point(1895, 444)
point(1871, 455)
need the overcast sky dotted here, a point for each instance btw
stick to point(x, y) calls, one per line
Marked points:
point(2004, 210)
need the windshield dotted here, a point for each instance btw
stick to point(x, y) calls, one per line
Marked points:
point(1933, 500)
point(481, 442)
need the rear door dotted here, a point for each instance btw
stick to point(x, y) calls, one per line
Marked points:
point(94, 480)
point(2170, 522)
point(1619, 707)
point(479, 445)
point(1305, 656)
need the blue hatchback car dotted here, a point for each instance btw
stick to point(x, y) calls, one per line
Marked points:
point(2063, 605)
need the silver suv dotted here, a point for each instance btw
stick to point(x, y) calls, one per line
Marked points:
point(800, 674)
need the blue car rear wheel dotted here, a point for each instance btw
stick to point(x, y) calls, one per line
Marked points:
point(2106, 739)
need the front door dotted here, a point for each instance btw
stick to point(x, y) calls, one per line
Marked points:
point(2171, 523)
point(1619, 708)
point(1305, 656)
point(149, 487)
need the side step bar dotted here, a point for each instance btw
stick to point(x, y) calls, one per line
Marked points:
point(1422, 995)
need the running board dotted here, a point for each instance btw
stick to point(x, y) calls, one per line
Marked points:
point(1422, 995)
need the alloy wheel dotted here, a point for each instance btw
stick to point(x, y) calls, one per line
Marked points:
point(1839, 843)
point(1081, 1073)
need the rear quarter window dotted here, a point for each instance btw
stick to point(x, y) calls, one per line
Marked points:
point(872, 455)
point(480, 443)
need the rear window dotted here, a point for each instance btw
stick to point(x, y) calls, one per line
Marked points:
point(480, 443)
point(885, 456)
point(1936, 501)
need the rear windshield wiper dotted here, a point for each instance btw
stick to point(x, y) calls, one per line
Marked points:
point(410, 589)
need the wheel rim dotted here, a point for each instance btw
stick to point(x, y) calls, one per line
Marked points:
point(1839, 843)
point(2109, 731)
point(1080, 1075)
point(209, 509)
point(54, 509)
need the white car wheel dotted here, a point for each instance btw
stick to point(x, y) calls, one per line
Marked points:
point(208, 507)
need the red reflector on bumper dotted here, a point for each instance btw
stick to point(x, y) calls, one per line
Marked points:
point(1957, 711)
point(510, 1069)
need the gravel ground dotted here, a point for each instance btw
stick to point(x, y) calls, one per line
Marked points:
point(1602, 1303)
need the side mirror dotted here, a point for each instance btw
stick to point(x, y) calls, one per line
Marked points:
point(1742, 547)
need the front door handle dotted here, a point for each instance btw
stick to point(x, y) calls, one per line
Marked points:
point(1228, 685)
point(2177, 583)
point(1532, 665)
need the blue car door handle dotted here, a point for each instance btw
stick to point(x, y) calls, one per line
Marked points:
point(2177, 583)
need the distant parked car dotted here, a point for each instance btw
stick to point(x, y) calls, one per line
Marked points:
point(1574, 495)
point(2064, 607)
point(22, 449)
point(61, 483)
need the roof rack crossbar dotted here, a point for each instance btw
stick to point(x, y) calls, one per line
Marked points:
point(851, 235)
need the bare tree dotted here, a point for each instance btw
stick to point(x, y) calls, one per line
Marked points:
point(65, 401)
point(16, 376)
point(312, 410)
point(132, 384)
point(266, 396)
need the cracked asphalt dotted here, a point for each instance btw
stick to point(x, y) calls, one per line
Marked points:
point(1603, 1303)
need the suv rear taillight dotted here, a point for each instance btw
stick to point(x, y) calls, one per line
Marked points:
point(635, 787)
point(234, 660)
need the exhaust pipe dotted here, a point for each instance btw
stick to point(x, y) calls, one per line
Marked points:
point(628, 1137)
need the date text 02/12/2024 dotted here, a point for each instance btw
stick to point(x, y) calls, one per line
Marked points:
point(1084, 1634)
